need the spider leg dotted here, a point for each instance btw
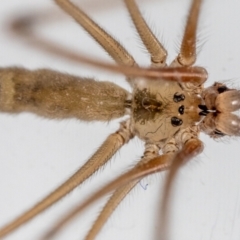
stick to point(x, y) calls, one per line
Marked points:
point(154, 47)
point(113, 48)
point(108, 209)
point(111, 145)
point(24, 27)
point(187, 55)
point(151, 151)
point(142, 169)
point(192, 146)
point(154, 165)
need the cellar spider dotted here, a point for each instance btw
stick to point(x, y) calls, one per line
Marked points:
point(215, 171)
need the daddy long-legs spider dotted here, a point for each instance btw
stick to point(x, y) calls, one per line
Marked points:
point(213, 174)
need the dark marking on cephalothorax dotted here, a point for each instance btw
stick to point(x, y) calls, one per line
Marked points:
point(146, 106)
point(178, 97)
point(181, 109)
point(176, 122)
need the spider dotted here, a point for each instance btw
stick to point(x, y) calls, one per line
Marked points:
point(64, 126)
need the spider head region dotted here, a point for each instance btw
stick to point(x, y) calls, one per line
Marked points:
point(220, 103)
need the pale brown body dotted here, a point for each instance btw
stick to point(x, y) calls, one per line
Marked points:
point(152, 102)
point(53, 95)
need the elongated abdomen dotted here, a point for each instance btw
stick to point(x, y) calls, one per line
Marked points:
point(55, 95)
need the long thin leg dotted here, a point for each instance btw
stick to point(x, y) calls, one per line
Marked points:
point(24, 27)
point(112, 144)
point(163, 162)
point(108, 209)
point(143, 169)
point(151, 151)
point(154, 47)
point(187, 55)
point(192, 147)
point(114, 48)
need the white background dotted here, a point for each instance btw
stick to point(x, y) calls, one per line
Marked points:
point(38, 154)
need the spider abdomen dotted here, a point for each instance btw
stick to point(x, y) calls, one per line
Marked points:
point(56, 95)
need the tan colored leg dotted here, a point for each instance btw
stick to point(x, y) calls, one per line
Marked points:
point(187, 55)
point(112, 144)
point(25, 28)
point(114, 48)
point(151, 151)
point(190, 149)
point(143, 169)
point(154, 47)
point(108, 209)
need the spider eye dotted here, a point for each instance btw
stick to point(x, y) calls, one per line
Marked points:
point(218, 133)
point(178, 97)
point(181, 110)
point(176, 121)
point(222, 89)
